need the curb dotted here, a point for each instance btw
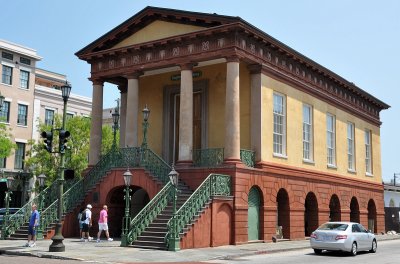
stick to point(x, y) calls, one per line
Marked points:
point(35, 254)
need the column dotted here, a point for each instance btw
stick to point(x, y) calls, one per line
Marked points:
point(232, 111)
point(122, 121)
point(96, 122)
point(256, 120)
point(186, 115)
point(132, 106)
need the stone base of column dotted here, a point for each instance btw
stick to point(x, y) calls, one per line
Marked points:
point(184, 163)
point(232, 161)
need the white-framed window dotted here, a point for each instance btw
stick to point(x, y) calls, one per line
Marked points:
point(331, 139)
point(19, 156)
point(368, 152)
point(350, 146)
point(307, 132)
point(22, 115)
point(24, 79)
point(279, 134)
point(5, 112)
point(49, 117)
point(6, 76)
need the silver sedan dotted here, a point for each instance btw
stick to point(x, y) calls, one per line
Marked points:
point(343, 236)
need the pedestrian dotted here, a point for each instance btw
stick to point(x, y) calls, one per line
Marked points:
point(87, 223)
point(80, 221)
point(103, 224)
point(33, 224)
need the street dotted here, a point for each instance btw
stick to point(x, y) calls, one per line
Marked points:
point(388, 253)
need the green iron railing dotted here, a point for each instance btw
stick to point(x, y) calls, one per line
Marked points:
point(146, 216)
point(248, 157)
point(213, 185)
point(208, 157)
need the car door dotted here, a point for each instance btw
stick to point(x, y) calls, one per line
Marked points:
point(365, 237)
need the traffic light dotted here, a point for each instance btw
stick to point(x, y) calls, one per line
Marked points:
point(63, 138)
point(48, 140)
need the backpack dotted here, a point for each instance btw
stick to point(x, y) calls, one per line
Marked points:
point(83, 217)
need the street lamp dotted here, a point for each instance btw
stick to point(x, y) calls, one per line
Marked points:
point(7, 200)
point(41, 179)
point(146, 113)
point(126, 221)
point(174, 238)
point(57, 245)
point(115, 118)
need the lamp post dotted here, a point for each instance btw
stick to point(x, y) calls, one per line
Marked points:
point(146, 113)
point(115, 118)
point(395, 175)
point(41, 179)
point(126, 220)
point(174, 238)
point(57, 245)
point(7, 200)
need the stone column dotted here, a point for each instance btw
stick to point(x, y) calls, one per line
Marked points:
point(186, 115)
point(132, 106)
point(122, 121)
point(232, 111)
point(256, 118)
point(96, 122)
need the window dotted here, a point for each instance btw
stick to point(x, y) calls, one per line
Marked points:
point(24, 79)
point(19, 156)
point(6, 76)
point(331, 139)
point(69, 116)
point(49, 117)
point(368, 163)
point(22, 115)
point(7, 55)
point(307, 133)
point(25, 60)
point(350, 146)
point(2, 162)
point(5, 112)
point(279, 134)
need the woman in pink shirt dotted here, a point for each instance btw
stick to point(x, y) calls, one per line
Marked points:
point(103, 224)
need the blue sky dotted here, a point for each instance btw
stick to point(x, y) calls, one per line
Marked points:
point(357, 39)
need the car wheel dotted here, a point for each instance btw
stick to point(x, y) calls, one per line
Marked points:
point(374, 246)
point(317, 251)
point(353, 251)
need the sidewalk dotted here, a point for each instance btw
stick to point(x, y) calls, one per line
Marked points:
point(111, 252)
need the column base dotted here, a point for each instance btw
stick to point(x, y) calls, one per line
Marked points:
point(232, 161)
point(57, 245)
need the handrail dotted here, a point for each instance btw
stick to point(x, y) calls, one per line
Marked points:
point(214, 184)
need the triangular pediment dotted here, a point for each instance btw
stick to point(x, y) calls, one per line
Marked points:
point(157, 30)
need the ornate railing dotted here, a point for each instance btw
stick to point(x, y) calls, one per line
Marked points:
point(214, 184)
point(208, 157)
point(146, 216)
point(248, 157)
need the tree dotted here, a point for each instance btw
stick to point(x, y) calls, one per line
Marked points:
point(107, 139)
point(6, 144)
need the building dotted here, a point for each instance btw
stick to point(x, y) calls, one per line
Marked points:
point(392, 206)
point(31, 94)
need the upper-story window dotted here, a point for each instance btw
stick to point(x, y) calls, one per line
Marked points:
point(350, 146)
point(19, 156)
point(25, 60)
point(49, 117)
point(307, 133)
point(5, 112)
point(6, 55)
point(6, 76)
point(69, 116)
point(22, 115)
point(3, 162)
point(368, 152)
point(331, 139)
point(279, 134)
point(24, 79)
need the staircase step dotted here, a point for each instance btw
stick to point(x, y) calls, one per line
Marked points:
point(148, 233)
point(149, 244)
point(162, 229)
point(142, 238)
point(149, 247)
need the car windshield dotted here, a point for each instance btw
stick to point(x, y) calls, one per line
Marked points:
point(333, 226)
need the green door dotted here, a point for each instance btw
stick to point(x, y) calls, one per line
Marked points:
point(253, 215)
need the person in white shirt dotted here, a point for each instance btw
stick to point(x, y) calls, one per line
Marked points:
point(87, 223)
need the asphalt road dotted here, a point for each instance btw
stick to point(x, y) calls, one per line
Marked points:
point(388, 253)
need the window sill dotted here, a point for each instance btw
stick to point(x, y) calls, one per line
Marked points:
point(311, 162)
point(351, 171)
point(279, 156)
point(330, 166)
point(5, 122)
point(6, 84)
point(369, 174)
point(19, 125)
point(24, 89)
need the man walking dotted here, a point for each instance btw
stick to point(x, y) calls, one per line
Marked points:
point(103, 224)
point(87, 223)
point(33, 224)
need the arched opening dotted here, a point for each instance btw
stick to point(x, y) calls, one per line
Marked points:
point(334, 207)
point(310, 214)
point(354, 210)
point(253, 214)
point(283, 221)
point(116, 206)
point(372, 225)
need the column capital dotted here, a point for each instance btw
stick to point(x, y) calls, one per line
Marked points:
point(96, 81)
point(255, 68)
point(133, 75)
point(187, 66)
point(232, 58)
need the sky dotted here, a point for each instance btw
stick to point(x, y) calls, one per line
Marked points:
point(358, 40)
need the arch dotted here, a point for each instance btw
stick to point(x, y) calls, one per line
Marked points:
point(224, 224)
point(283, 216)
point(310, 214)
point(391, 203)
point(334, 208)
point(372, 219)
point(354, 210)
point(253, 214)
